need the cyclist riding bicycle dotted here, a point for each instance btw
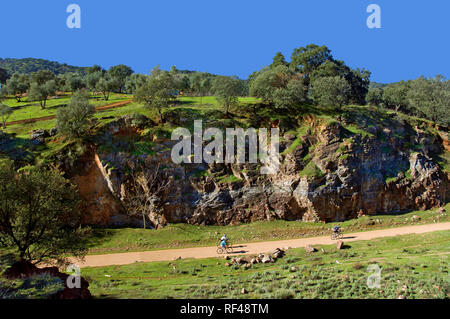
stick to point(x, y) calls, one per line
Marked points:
point(224, 238)
point(336, 229)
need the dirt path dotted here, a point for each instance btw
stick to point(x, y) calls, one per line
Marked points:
point(52, 117)
point(251, 248)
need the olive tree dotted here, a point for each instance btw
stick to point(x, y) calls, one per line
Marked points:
point(431, 97)
point(394, 95)
point(41, 92)
point(227, 90)
point(17, 85)
point(374, 96)
point(158, 91)
point(105, 85)
point(5, 113)
point(74, 119)
point(39, 215)
point(331, 91)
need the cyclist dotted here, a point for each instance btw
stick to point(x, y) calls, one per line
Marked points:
point(336, 229)
point(225, 238)
point(223, 243)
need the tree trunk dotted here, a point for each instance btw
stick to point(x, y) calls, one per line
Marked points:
point(143, 219)
point(160, 115)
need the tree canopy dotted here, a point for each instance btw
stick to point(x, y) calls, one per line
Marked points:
point(74, 119)
point(158, 91)
point(39, 215)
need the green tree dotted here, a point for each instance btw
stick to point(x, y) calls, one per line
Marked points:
point(268, 80)
point(95, 69)
point(42, 76)
point(201, 84)
point(105, 85)
point(74, 82)
point(227, 90)
point(61, 82)
point(331, 91)
point(74, 119)
point(17, 85)
point(134, 81)
point(119, 74)
point(3, 76)
point(39, 215)
point(374, 96)
point(5, 113)
point(295, 93)
point(307, 59)
point(92, 79)
point(431, 97)
point(394, 95)
point(359, 80)
point(41, 92)
point(158, 91)
point(279, 86)
point(278, 59)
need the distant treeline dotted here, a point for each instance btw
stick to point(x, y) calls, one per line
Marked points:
point(30, 65)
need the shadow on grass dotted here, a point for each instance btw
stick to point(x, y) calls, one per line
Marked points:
point(6, 260)
point(19, 150)
point(98, 236)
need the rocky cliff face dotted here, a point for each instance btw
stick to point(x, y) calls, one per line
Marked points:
point(330, 171)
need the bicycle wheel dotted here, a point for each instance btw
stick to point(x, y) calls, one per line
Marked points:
point(219, 250)
point(230, 248)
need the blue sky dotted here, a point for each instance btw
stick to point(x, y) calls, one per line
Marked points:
point(231, 37)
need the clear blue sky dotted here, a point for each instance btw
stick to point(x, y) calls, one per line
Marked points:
point(231, 37)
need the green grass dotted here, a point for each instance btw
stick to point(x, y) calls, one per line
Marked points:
point(31, 109)
point(413, 266)
point(186, 235)
point(228, 179)
point(36, 287)
point(390, 179)
point(358, 131)
point(311, 171)
point(300, 133)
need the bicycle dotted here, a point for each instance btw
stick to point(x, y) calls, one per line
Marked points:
point(225, 250)
point(337, 235)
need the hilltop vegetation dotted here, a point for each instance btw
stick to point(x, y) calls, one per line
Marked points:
point(30, 65)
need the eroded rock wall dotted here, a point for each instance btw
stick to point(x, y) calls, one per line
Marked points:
point(370, 173)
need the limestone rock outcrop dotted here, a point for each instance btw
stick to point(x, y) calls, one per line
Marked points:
point(329, 174)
